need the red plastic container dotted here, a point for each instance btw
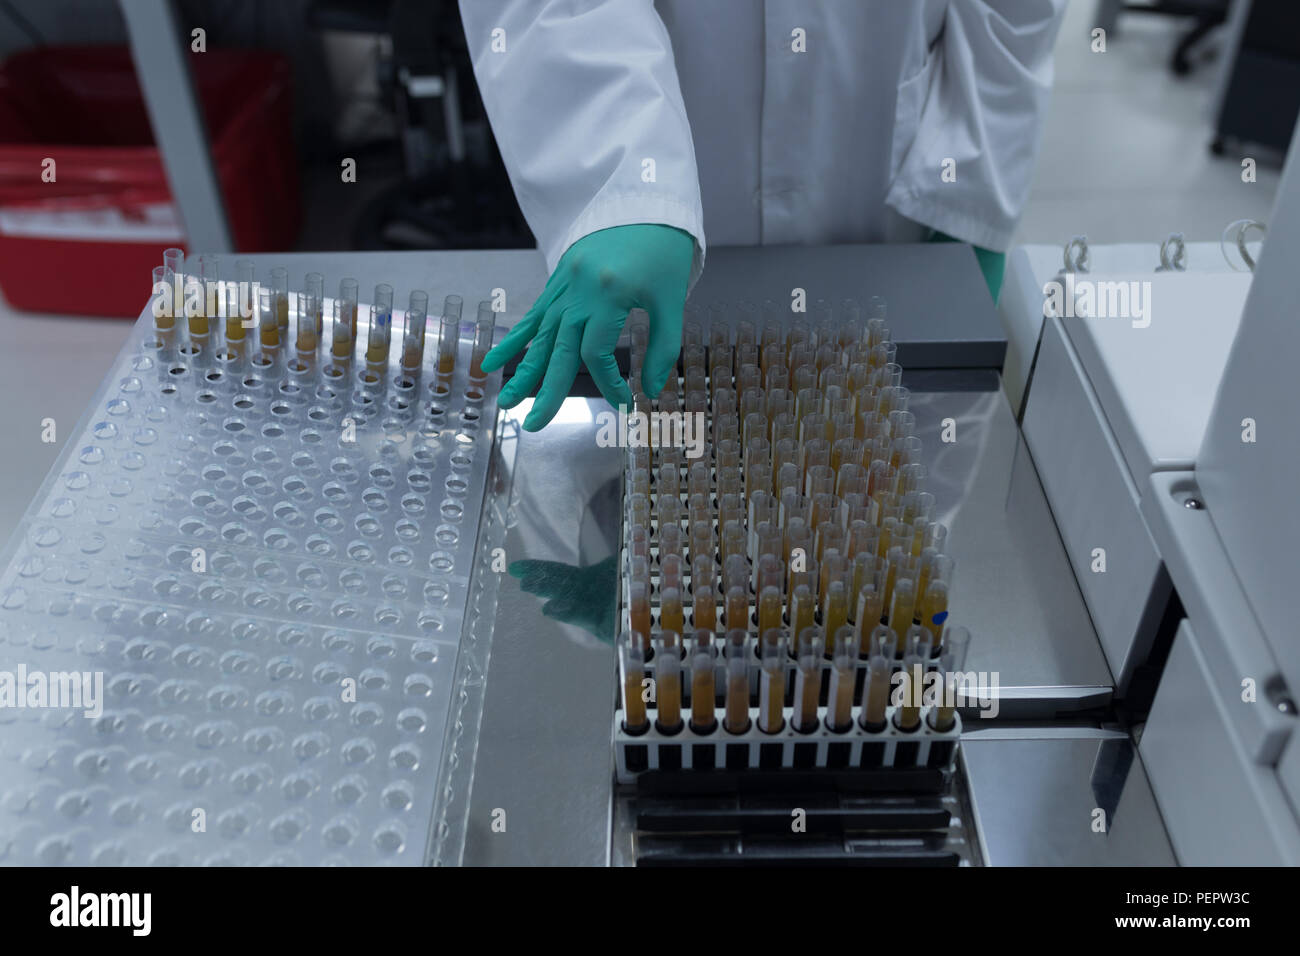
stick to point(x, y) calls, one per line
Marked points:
point(86, 243)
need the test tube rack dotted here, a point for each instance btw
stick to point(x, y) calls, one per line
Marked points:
point(685, 748)
point(886, 747)
point(231, 539)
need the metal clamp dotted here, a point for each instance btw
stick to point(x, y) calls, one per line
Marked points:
point(1242, 226)
point(1173, 254)
point(1076, 255)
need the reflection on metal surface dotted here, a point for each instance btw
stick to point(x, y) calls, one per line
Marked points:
point(1013, 586)
point(1036, 802)
point(544, 748)
point(584, 597)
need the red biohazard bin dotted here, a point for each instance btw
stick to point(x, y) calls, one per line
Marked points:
point(85, 208)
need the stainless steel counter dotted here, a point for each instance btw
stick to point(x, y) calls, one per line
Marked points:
point(544, 745)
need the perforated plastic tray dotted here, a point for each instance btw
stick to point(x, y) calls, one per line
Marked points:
point(214, 546)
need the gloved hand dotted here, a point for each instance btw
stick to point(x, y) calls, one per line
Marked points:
point(582, 310)
point(582, 596)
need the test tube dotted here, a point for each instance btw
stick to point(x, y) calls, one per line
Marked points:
point(164, 319)
point(769, 605)
point(631, 662)
point(448, 334)
point(803, 609)
point(672, 618)
point(907, 716)
point(380, 333)
point(870, 609)
point(933, 567)
point(242, 313)
point(807, 680)
point(903, 606)
point(737, 608)
point(836, 613)
point(417, 312)
point(933, 609)
point(736, 659)
point(639, 604)
point(771, 684)
point(952, 658)
point(668, 685)
point(844, 666)
point(305, 337)
point(174, 275)
point(314, 285)
point(345, 320)
point(484, 329)
point(210, 279)
point(268, 324)
point(703, 694)
point(704, 598)
point(875, 693)
point(280, 301)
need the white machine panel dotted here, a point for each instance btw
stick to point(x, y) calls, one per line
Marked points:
point(1094, 503)
point(1155, 370)
point(1219, 807)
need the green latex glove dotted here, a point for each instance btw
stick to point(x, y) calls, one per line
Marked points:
point(581, 312)
point(992, 264)
point(581, 596)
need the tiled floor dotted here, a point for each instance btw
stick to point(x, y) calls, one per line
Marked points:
point(1125, 157)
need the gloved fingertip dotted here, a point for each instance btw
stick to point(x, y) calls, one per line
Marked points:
point(653, 381)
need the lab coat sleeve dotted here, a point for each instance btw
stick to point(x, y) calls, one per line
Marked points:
point(587, 112)
point(989, 82)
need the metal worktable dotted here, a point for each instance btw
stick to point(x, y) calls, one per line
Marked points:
point(544, 744)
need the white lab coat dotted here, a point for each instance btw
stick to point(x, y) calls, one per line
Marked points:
point(796, 121)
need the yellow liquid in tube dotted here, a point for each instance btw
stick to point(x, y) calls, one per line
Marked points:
point(634, 715)
point(639, 612)
point(737, 719)
point(876, 696)
point(704, 613)
point(702, 697)
point(903, 607)
point(668, 699)
point(737, 609)
point(671, 617)
point(870, 610)
point(837, 608)
point(840, 711)
point(803, 610)
point(769, 610)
